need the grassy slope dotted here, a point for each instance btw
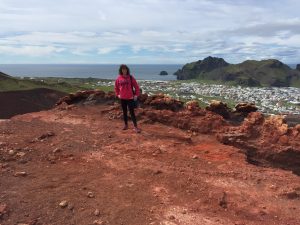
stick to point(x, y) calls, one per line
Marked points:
point(263, 72)
point(67, 85)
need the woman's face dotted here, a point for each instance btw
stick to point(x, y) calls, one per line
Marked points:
point(124, 71)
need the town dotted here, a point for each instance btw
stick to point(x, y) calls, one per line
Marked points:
point(269, 100)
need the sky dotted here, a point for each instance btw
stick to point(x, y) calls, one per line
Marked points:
point(148, 31)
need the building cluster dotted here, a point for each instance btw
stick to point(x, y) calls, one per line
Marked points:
point(273, 100)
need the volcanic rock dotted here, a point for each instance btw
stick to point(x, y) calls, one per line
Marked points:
point(130, 186)
point(20, 174)
point(245, 107)
point(63, 204)
point(163, 73)
point(259, 136)
point(3, 210)
point(97, 212)
point(161, 101)
point(219, 108)
point(192, 105)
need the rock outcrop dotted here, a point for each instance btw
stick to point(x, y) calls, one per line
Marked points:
point(162, 101)
point(88, 97)
point(245, 107)
point(266, 139)
point(163, 73)
point(219, 108)
point(192, 105)
point(192, 70)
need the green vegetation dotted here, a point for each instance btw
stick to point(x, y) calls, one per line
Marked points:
point(263, 73)
point(68, 85)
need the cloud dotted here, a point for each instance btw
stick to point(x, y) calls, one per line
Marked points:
point(34, 51)
point(281, 28)
point(156, 30)
point(106, 50)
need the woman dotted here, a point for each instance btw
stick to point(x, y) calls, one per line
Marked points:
point(127, 90)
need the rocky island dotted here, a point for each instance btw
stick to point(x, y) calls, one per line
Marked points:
point(163, 73)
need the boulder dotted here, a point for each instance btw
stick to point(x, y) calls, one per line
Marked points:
point(219, 108)
point(245, 107)
point(87, 97)
point(192, 105)
point(143, 97)
point(161, 101)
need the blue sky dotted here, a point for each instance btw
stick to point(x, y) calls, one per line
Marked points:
point(148, 31)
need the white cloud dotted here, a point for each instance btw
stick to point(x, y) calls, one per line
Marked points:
point(30, 50)
point(170, 29)
point(106, 50)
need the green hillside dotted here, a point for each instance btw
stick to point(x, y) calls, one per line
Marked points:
point(269, 72)
point(9, 83)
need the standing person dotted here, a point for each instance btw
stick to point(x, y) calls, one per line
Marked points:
point(127, 90)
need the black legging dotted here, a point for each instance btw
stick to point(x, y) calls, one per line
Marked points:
point(130, 104)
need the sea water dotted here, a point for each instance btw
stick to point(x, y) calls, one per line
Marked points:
point(104, 71)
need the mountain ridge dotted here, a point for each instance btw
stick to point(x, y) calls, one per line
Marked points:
point(269, 72)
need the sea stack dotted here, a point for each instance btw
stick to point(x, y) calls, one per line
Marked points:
point(298, 67)
point(163, 73)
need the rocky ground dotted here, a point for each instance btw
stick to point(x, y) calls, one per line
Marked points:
point(74, 165)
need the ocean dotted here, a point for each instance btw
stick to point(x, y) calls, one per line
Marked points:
point(104, 71)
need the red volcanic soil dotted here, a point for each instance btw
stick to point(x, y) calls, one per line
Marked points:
point(20, 102)
point(164, 175)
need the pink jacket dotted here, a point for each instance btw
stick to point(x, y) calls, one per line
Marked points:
point(124, 89)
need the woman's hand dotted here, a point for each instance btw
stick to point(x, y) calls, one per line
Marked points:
point(135, 98)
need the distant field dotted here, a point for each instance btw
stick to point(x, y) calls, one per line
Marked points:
point(66, 85)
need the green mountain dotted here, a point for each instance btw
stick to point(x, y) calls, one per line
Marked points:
point(269, 72)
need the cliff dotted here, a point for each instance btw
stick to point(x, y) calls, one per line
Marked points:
point(24, 101)
point(4, 76)
point(74, 165)
point(249, 73)
point(194, 69)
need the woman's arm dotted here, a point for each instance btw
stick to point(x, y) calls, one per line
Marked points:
point(136, 86)
point(117, 89)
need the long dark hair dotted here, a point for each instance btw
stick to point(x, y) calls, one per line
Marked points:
point(123, 66)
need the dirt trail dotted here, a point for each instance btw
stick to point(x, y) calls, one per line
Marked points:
point(162, 176)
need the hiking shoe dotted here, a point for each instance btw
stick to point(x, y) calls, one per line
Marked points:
point(137, 130)
point(125, 127)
